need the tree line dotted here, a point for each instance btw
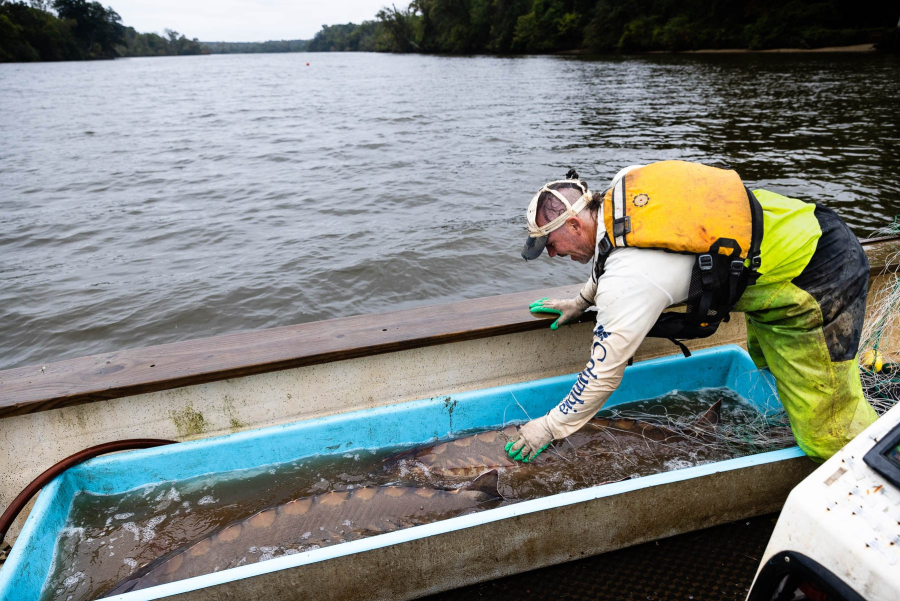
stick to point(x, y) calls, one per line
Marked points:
point(256, 47)
point(79, 30)
point(87, 30)
point(536, 26)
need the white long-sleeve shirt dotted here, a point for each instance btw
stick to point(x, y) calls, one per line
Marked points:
point(637, 285)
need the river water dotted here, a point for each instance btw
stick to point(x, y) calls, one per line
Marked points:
point(150, 200)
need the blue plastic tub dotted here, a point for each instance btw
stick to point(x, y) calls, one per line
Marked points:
point(28, 566)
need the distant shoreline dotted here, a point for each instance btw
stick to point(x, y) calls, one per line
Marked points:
point(855, 49)
point(848, 49)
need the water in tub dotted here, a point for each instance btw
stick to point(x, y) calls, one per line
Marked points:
point(108, 539)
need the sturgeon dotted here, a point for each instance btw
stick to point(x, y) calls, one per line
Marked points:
point(470, 455)
point(702, 429)
point(311, 522)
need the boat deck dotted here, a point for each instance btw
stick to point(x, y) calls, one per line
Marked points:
point(715, 564)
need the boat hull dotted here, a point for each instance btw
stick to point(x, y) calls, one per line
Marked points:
point(452, 552)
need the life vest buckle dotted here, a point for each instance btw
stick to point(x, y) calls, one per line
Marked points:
point(706, 262)
point(622, 226)
point(604, 246)
point(737, 267)
point(755, 262)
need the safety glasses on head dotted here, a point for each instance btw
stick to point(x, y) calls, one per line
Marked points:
point(537, 235)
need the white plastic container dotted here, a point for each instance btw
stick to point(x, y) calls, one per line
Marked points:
point(839, 532)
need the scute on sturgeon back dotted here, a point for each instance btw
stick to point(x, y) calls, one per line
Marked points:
point(310, 522)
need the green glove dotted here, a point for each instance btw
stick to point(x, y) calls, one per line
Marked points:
point(530, 441)
point(517, 454)
point(567, 309)
point(539, 307)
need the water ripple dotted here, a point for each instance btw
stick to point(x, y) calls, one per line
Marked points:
point(147, 201)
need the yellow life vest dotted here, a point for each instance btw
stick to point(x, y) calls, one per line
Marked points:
point(681, 207)
point(692, 209)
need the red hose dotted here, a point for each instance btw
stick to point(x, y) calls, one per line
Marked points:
point(12, 512)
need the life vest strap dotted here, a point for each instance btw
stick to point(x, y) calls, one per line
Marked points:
point(756, 216)
point(684, 349)
point(708, 287)
point(734, 282)
point(604, 247)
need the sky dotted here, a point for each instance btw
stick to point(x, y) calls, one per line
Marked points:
point(243, 20)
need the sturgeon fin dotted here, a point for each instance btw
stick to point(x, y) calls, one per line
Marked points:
point(486, 483)
point(710, 419)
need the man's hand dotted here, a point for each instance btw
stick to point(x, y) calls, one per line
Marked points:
point(530, 440)
point(567, 309)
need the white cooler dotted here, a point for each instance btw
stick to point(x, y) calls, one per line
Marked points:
point(838, 536)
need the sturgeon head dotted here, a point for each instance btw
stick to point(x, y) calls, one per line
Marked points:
point(311, 522)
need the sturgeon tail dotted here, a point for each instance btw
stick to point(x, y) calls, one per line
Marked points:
point(711, 418)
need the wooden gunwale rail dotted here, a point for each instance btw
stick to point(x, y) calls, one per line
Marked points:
point(36, 388)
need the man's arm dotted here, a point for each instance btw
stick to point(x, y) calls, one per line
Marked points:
point(637, 285)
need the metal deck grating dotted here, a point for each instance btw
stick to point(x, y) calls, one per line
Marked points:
point(716, 564)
